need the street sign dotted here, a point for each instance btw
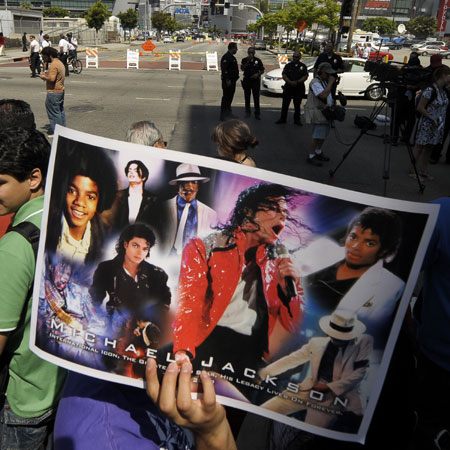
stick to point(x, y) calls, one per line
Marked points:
point(148, 46)
point(301, 25)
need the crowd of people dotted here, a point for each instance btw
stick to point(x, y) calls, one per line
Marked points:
point(78, 411)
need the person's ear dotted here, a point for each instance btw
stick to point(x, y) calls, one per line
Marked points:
point(35, 179)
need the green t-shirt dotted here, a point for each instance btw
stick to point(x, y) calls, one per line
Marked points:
point(34, 384)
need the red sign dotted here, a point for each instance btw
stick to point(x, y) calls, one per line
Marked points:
point(442, 15)
point(148, 46)
point(301, 25)
point(378, 4)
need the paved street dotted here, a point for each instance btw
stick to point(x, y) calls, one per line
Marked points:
point(185, 105)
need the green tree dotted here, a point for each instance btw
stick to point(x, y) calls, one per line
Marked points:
point(329, 15)
point(378, 24)
point(25, 5)
point(129, 20)
point(96, 16)
point(422, 27)
point(172, 25)
point(55, 11)
point(159, 20)
point(269, 22)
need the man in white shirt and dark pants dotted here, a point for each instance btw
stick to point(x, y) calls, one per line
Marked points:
point(34, 57)
point(63, 49)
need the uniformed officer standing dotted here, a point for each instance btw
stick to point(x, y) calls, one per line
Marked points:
point(230, 74)
point(253, 68)
point(294, 74)
point(336, 62)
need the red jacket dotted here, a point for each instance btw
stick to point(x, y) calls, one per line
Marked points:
point(220, 260)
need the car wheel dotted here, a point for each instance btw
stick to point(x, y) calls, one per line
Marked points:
point(447, 56)
point(374, 92)
point(424, 53)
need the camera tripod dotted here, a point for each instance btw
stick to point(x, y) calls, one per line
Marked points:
point(385, 104)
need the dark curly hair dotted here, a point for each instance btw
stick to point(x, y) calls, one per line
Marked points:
point(382, 222)
point(138, 230)
point(23, 150)
point(93, 162)
point(252, 199)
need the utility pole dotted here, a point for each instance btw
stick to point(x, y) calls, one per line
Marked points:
point(355, 9)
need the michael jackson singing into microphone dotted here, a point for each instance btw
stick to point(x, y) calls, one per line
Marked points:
point(232, 287)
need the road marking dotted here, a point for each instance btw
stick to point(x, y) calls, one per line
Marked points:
point(153, 98)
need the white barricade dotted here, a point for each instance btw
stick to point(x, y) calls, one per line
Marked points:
point(91, 57)
point(211, 61)
point(282, 60)
point(174, 60)
point(132, 59)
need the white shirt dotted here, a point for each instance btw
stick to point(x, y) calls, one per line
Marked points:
point(73, 44)
point(317, 88)
point(71, 248)
point(46, 44)
point(366, 52)
point(65, 46)
point(34, 46)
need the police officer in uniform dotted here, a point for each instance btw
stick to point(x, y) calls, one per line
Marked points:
point(230, 74)
point(253, 68)
point(294, 74)
point(336, 62)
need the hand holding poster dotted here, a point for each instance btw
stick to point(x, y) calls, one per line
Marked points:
point(288, 292)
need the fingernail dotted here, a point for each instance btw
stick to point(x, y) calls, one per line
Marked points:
point(172, 367)
point(186, 367)
point(204, 374)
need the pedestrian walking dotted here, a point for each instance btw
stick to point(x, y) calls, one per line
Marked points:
point(230, 74)
point(54, 77)
point(35, 64)
point(294, 74)
point(253, 68)
point(24, 42)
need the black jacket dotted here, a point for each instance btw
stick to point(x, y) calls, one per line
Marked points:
point(139, 298)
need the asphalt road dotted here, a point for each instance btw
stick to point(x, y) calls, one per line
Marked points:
point(185, 105)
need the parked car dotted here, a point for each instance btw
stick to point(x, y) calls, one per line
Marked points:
point(421, 45)
point(168, 39)
point(412, 42)
point(180, 38)
point(260, 44)
point(430, 50)
point(353, 82)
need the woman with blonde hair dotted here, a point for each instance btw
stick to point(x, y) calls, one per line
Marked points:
point(233, 139)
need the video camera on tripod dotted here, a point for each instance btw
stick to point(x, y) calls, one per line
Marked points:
point(389, 74)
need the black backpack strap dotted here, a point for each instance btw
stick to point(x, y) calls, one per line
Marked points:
point(30, 232)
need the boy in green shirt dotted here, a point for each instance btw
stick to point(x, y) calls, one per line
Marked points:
point(34, 386)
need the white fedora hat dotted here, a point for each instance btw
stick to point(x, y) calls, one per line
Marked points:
point(342, 324)
point(188, 172)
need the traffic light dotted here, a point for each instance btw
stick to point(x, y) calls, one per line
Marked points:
point(346, 10)
point(226, 9)
point(213, 7)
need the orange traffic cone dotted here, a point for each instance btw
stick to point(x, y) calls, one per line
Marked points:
point(141, 54)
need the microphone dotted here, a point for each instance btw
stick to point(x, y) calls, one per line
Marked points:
point(282, 252)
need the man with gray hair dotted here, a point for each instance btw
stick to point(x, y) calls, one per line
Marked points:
point(145, 133)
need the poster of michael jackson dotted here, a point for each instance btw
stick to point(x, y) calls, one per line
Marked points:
point(289, 293)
